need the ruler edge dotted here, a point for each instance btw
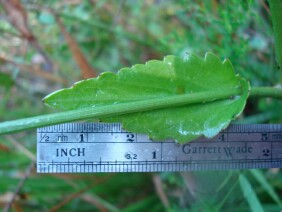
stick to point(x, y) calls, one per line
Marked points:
point(235, 127)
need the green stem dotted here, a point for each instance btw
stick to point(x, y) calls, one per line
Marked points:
point(115, 109)
point(266, 92)
point(130, 107)
point(276, 16)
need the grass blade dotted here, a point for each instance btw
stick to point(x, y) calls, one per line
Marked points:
point(250, 194)
point(266, 186)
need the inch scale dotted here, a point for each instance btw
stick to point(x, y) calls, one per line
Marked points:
point(106, 147)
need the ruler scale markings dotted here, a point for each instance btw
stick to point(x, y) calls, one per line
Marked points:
point(97, 147)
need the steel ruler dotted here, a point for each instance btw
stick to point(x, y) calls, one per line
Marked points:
point(105, 147)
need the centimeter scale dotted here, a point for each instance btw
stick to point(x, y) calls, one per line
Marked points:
point(106, 147)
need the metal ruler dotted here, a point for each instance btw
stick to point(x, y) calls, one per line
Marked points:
point(104, 147)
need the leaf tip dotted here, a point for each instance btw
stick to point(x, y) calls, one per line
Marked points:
point(210, 54)
point(47, 100)
point(227, 63)
point(211, 57)
point(169, 59)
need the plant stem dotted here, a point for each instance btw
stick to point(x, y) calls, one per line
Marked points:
point(130, 107)
point(115, 109)
point(266, 92)
point(276, 16)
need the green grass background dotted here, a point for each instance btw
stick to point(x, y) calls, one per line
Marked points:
point(116, 34)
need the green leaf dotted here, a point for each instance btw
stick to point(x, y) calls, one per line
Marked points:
point(6, 80)
point(171, 77)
